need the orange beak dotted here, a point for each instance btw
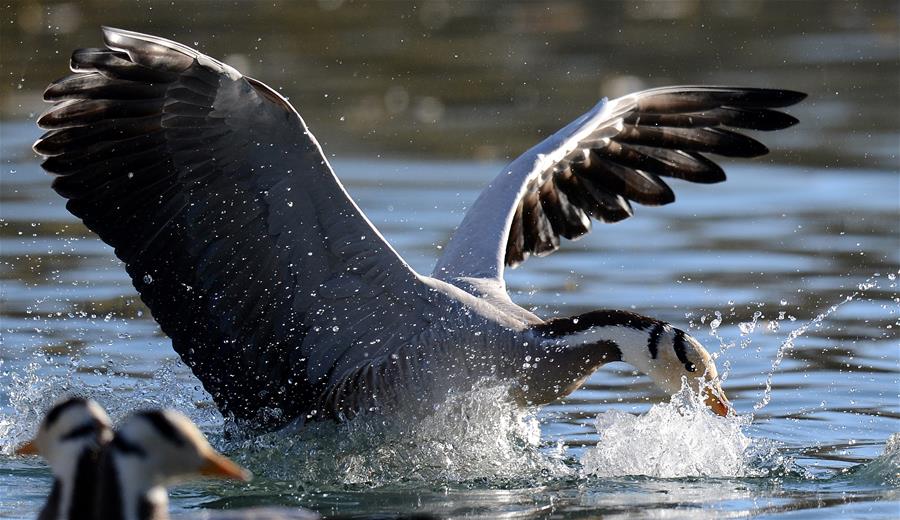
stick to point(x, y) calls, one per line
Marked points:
point(718, 403)
point(28, 448)
point(219, 466)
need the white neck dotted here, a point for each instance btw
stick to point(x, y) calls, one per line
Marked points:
point(66, 485)
point(137, 487)
point(64, 463)
point(633, 344)
point(573, 348)
point(567, 356)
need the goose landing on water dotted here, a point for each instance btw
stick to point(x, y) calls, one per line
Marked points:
point(282, 297)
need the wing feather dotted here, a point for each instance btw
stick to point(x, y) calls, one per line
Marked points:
point(615, 154)
point(229, 219)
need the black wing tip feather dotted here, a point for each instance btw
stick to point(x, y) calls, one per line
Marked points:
point(668, 132)
point(762, 119)
point(748, 97)
point(776, 121)
point(758, 97)
point(126, 79)
point(785, 98)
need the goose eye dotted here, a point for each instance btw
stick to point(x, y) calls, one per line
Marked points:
point(690, 367)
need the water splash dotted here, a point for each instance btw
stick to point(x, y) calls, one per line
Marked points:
point(474, 436)
point(883, 470)
point(788, 344)
point(681, 438)
point(676, 439)
point(32, 392)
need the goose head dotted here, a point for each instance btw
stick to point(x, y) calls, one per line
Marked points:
point(680, 357)
point(70, 438)
point(577, 346)
point(169, 448)
point(69, 429)
point(151, 450)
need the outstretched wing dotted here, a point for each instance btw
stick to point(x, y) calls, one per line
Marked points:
point(235, 231)
point(596, 166)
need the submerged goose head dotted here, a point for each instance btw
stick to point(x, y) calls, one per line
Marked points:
point(576, 346)
point(151, 450)
point(70, 439)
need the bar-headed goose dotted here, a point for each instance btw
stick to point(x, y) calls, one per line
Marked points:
point(70, 438)
point(152, 449)
point(282, 296)
point(156, 448)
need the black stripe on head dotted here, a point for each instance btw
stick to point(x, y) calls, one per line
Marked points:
point(613, 352)
point(653, 340)
point(55, 412)
point(127, 447)
point(81, 431)
point(600, 318)
point(163, 426)
point(680, 351)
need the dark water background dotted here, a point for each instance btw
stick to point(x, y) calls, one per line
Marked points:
point(421, 103)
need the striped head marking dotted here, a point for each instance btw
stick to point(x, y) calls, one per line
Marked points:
point(164, 446)
point(70, 427)
point(651, 346)
point(672, 355)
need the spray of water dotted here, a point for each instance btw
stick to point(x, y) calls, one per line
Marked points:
point(682, 438)
point(788, 344)
point(36, 391)
point(671, 440)
point(473, 436)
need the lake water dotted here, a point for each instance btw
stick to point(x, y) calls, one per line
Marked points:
point(761, 256)
point(789, 270)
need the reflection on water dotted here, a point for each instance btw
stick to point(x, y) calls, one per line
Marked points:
point(747, 265)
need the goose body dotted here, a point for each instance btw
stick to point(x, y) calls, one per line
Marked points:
point(284, 299)
point(70, 438)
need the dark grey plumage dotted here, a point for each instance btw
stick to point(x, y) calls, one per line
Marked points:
point(229, 219)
